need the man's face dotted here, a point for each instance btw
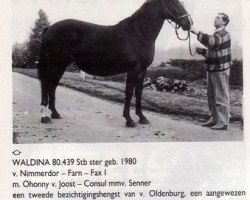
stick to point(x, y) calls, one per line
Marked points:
point(218, 22)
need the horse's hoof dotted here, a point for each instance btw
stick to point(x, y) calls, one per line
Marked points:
point(46, 120)
point(143, 120)
point(131, 124)
point(56, 116)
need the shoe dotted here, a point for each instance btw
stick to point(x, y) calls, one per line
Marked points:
point(209, 123)
point(219, 126)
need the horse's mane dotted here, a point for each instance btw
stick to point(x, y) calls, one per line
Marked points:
point(138, 13)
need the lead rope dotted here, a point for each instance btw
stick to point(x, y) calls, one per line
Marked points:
point(184, 39)
point(190, 49)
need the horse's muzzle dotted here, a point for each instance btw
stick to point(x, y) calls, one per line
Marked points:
point(186, 23)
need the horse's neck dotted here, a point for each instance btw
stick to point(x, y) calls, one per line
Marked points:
point(150, 30)
point(148, 22)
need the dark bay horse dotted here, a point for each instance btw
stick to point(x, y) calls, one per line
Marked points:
point(127, 47)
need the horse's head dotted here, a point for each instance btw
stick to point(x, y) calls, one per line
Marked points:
point(175, 11)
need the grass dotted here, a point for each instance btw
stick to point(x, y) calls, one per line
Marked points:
point(192, 105)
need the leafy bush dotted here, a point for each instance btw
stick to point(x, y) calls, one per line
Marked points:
point(192, 69)
point(166, 85)
point(236, 73)
point(182, 63)
point(171, 73)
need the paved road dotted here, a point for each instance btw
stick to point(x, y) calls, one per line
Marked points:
point(92, 120)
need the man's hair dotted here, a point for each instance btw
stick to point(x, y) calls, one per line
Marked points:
point(225, 18)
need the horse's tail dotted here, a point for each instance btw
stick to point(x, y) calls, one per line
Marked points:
point(41, 68)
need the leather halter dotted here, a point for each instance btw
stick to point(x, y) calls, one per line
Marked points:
point(168, 12)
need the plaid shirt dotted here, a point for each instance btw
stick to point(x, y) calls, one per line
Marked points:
point(218, 52)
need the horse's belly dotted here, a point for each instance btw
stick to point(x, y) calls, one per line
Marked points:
point(104, 69)
point(106, 65)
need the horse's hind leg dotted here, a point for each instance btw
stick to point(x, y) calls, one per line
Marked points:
point(138, 94)
point(53, 82)
point(52, 98)
point(42, 74)
point(48, 102)
point(49, 81)
point(44, 102)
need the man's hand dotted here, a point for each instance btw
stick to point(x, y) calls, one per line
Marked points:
point(194, 31)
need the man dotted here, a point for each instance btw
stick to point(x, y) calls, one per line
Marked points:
point(217, 64)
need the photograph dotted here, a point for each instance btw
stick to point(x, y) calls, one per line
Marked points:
point(124, 99)
point(116, 71)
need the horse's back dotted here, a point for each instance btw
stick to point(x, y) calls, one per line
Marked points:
point(66, 31)
point(96, 49)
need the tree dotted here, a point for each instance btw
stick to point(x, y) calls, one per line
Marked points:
point(20, 55)
point(35, 38)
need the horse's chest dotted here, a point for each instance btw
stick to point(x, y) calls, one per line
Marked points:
point(147, 55)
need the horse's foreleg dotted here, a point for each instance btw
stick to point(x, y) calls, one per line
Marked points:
point(44, 103)
point(128, 97)
point(138, 93)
